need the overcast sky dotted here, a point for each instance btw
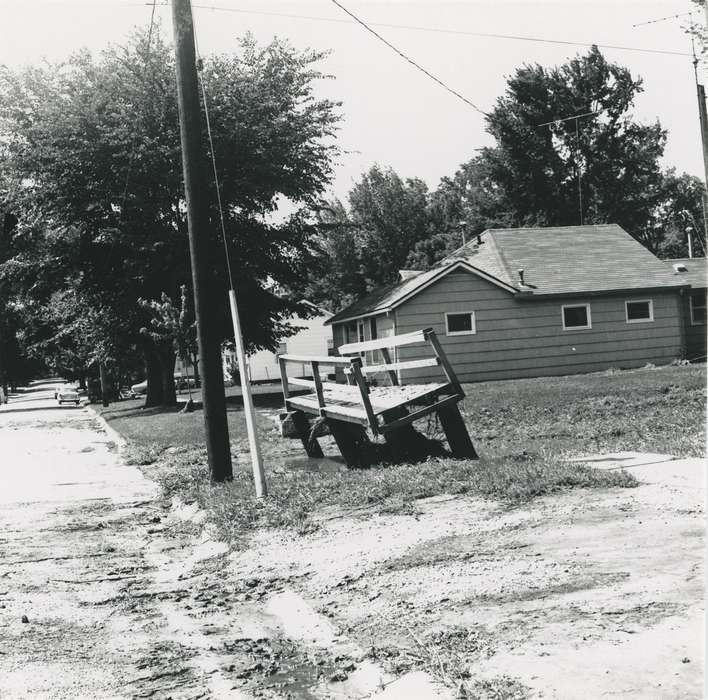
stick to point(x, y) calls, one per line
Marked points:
point(393, 114)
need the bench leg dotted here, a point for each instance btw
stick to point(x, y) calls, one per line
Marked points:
point(456, 432)
point(350, 440)
point(302, 426)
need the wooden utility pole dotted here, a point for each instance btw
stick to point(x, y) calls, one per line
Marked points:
point(205, 303)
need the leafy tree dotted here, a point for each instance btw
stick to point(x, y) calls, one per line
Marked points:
point(364, 246)
point(537, 168)
point(172, 330)
point(92, 149)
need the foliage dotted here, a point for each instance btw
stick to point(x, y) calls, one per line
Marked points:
point(91, 152)
point(613, 160)
point(364, 246)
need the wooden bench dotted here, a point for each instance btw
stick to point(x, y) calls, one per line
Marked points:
point(348, 409)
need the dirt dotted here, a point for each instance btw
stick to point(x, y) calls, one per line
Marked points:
point(584, 594)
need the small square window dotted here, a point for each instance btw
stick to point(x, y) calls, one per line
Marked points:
point(460, 323)
point(639, 311)
point(698, 308)
point(576, 317)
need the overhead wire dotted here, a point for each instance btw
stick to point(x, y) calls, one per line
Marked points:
point(440, 30)
point(217, 182)
point(410, 60)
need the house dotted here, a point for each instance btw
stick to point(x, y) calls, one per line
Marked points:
point(693, 304)
point(533, 302)
point(313, 338)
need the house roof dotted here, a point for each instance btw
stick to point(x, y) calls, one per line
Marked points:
point(569, 260)
point(386, 298)
point(696, 270)
point(564, 260)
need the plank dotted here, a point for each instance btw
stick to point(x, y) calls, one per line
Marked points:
point(392, 341)
point(417, 415)
point(456, 433)
point(393, 366)
point(323, 360)
point(310, 384)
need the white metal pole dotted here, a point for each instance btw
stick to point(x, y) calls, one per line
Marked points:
point(256, 460)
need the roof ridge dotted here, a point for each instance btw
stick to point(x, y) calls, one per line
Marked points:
point(548, 228)
point(500, 259)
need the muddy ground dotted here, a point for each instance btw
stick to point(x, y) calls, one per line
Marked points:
point(108, 592)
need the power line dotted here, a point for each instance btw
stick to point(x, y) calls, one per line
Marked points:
point(440, 30)
point(662, 19)
point(410, 60)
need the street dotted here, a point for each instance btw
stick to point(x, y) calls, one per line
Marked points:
point(84, 593)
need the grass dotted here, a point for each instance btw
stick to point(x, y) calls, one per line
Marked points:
point(525, 431)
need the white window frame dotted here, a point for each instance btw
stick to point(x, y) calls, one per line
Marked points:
point(576, 306)
point(639, 301)
point(471, 314)
point(690, 304)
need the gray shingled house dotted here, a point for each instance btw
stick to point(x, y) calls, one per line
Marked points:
point(533, 302)
point(693, 271)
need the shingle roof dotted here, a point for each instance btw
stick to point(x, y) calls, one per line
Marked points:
point(556, 260)
point(571, 260)
point(696, 271)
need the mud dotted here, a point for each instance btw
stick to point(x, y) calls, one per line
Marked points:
point(583, 594)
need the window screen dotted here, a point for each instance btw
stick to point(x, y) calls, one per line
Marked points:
point(460, 323)
point(639, 311)
point(576, 316)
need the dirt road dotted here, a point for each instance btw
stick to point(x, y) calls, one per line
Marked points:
point(586, 594)
point(87, 600)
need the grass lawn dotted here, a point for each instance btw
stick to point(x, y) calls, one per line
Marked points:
point(523, 429)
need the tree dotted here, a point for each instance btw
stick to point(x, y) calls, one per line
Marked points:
point(92, 148)
point(365, 246)
point(611, 160)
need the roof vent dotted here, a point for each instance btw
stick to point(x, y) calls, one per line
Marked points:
point(479, 239)
point(679, 267)
point(521, 277)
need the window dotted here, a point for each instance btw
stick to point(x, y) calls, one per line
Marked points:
point(460, 323)
point(576, 317)
point(698, 308)
point(639, 311)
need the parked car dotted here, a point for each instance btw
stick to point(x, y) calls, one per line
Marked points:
point(67, 394)
point(140, 387)
point(184, 382)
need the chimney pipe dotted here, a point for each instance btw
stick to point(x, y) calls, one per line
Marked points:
point(479, 239)
point(521, 276)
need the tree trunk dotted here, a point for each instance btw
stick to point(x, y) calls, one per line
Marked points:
point(167, 374)
point(155, 393)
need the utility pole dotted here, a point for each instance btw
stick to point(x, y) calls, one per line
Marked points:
point(214, 401)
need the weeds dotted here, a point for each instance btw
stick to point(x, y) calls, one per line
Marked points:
point(525, 431)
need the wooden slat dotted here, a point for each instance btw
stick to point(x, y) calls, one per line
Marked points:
point(308, 404)
point(324, 360)
point(447, 367)
point(387, 361)
point(421, 413)
point(318, 384)
point(393, 366)
point(327, 386)
point(364, 389)
point(392, 341)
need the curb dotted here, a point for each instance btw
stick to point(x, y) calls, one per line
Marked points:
point(111, 432)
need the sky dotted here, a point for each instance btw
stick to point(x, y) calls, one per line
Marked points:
point(394, 115)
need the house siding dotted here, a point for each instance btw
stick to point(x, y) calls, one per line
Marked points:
point(695, 334)
point(525, 338)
